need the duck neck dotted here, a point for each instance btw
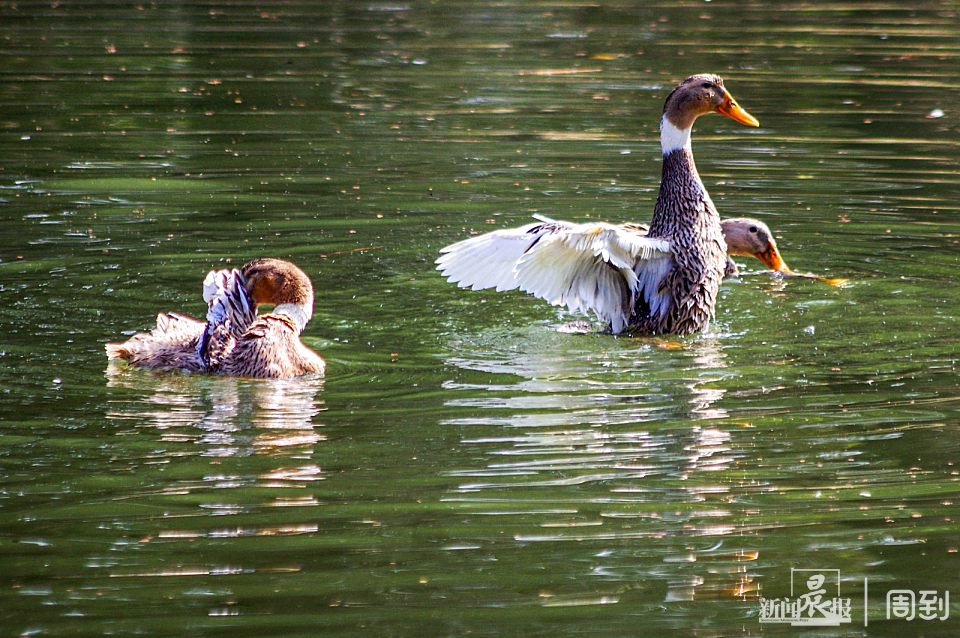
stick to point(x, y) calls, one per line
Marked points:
point(299, 312)
point(683, 198)
point(673, 138)
point(685, 216)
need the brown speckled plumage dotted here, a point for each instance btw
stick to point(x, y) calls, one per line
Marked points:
point(686, 217)
point(238, 343)
point(170, 345)
point(270, 348)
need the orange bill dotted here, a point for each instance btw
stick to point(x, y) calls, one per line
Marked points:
point(772, 259)
point(731, 109)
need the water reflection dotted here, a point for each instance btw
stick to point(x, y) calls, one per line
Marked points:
point(636, 427)
point(550, 470)
point(590, 379)
point(580, 416)
point(234, 417)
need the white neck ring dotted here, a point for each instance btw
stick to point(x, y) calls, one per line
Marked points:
point(300, 313)
point(673, 138)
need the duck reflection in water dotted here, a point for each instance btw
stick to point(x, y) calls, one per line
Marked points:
point(638, 433)
point(234, 416)
point(632, 384)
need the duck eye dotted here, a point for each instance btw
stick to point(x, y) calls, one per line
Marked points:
point(707, 85)
point(753, 229)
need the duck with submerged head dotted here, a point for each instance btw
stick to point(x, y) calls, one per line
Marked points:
point(663, 281)
point(746, 237)
point(743, 237)
point(235, 340)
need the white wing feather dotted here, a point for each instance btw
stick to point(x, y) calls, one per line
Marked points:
point(488, 260)
point(594, 267)
point(228, 304)
point(227, 300)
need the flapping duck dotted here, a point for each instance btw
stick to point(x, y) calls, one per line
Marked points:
point(662, 281)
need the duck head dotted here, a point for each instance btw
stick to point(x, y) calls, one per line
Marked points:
point(280, 283)
point(696, 96)
point(752, 238)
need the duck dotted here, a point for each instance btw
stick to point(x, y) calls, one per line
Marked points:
point(663, 281)
point(748, 237)
point(235, 340)
point(744, 237)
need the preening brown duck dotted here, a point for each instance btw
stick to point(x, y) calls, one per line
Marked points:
point(234, 340)
point(664, 281)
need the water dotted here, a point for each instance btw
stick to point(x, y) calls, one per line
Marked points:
point(464, 468)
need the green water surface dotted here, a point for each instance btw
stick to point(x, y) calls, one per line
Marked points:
point(464, 468)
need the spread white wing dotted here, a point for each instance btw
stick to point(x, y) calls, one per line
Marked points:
point(594, 267)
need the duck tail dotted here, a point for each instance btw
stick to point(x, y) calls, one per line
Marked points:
point(117, 351)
